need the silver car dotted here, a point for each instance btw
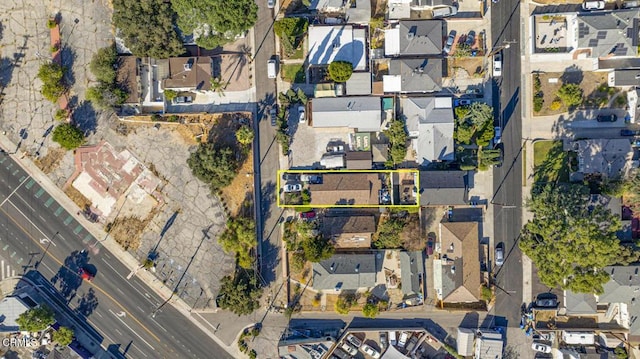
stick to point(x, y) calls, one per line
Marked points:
point(271, 4)
point(449, 43)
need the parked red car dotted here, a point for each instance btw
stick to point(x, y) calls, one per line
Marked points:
point(86, 275)
point(308, 215)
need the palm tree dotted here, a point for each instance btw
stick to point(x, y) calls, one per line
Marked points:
point(244, 135)
point(217, 85)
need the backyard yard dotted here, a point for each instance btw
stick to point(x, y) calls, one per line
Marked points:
point(551, 163)
point(293, 73)
point(596, 92)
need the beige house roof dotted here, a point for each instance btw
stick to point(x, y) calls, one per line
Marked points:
point(193, 73)
point(460, 242)
point(346, 189)
point(128, 76)
point(349, 231)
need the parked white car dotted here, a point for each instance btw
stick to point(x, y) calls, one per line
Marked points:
point(301, 117)
point(542, 348)
point(370, 351)
point(292, 187)
point(593, 5)
point(497, 65)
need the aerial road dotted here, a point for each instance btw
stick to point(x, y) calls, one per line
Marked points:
point(507, 198)
point(36, 233)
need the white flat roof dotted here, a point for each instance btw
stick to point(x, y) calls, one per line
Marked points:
point(392, 41)
point(337, 43)
point(391, 83)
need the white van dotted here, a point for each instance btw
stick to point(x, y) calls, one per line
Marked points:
point(444, 11)
point(392, 338)
point(403, 339)
point(271, 69)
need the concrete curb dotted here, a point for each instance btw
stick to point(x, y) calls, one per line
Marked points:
point(107, 242)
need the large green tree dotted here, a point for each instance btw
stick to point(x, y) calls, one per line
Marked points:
point(474, 122)
point(68, 136)
point(52, 77)
point(569, 242)
point(340, 71)
point(215, 22)
point(64, 336)
point(36, 319)
point(240, 238)
point(388, 235)
point(216, 167)
point(240, 295)
point(103, 64)
point(397, 135)
point(147, 27)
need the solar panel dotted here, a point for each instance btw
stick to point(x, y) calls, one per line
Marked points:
point(621, 50)
point(593, 43)
point(583, 30)
point(602, 35)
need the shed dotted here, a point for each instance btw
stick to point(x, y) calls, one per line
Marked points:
point(332, 161)
point(578, 338)
point(465, 341)
point(359, 160)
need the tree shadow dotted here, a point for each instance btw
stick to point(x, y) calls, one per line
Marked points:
point(554, 167)
point(85, 117)
point(87, 303)
point(572, 75)
point(68, 57)
point(269, 261)
point(68, 279)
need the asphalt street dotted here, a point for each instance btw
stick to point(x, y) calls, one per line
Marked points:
point(268, 148)
point(37, 233)
point(507, 199)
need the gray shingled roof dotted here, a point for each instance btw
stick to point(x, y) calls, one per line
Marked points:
point(443, 188)
point(359, 84)
point(363, 113)
point(626, 77)
point(418, 75)
point(411, 269)
point(420, 37)
point(354, 271)
point(433, 123)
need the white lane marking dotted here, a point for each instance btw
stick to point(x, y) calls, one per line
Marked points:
point(158, 324)
point(106, 336)
point(42, 218)
point(133, 331)
point(138, 349)
point(25, 203)
point(134, 288)
point(2, 266)
point(13, 273)
point(106, 255)
point(46, 266)
point(27, 218)
point(12, 192)
point(117, 331)
point(100, 315)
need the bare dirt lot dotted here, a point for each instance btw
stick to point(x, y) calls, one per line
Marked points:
point(597, 94)
point(472, 67)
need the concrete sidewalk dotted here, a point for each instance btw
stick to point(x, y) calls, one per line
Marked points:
point(107, 242)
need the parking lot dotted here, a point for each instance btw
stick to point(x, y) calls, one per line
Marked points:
point(309, 144)
point(374, 343)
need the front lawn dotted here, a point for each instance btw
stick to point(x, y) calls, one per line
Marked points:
point(551, 163)
point(293, 73)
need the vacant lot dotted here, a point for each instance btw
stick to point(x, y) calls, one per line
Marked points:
point(471, 65)
point(597, 94)
point(551, 164)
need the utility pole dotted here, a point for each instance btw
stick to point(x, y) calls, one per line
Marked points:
point(505, 45)
point(45, 251)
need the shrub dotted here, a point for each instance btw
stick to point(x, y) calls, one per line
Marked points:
point(52, 75)
point(570, 94)
point(68, 136)
point(344, 304)
point(51, 23)
point(537, 84)
point(370, 310)
point(487, 294)
point(61, 115)
point(556, 104)
point(340, 71)
point(54, 48)
point(538, 101)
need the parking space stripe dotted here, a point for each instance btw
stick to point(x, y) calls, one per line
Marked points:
point(15, 172)
point(30, 183)
point(4, 159)
point(68, 220)
point(49, 202)
point(78, 229)
point(22, 178)
point(58, 211)
point(87, 238)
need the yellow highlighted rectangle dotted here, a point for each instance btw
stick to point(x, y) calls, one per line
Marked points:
point(341, 182)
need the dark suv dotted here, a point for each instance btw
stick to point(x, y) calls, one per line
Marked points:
point(607, 118)
point(547, 300)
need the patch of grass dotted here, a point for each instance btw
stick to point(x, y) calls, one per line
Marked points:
point(551, 163)
point(293, 73)
point(297, 54)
